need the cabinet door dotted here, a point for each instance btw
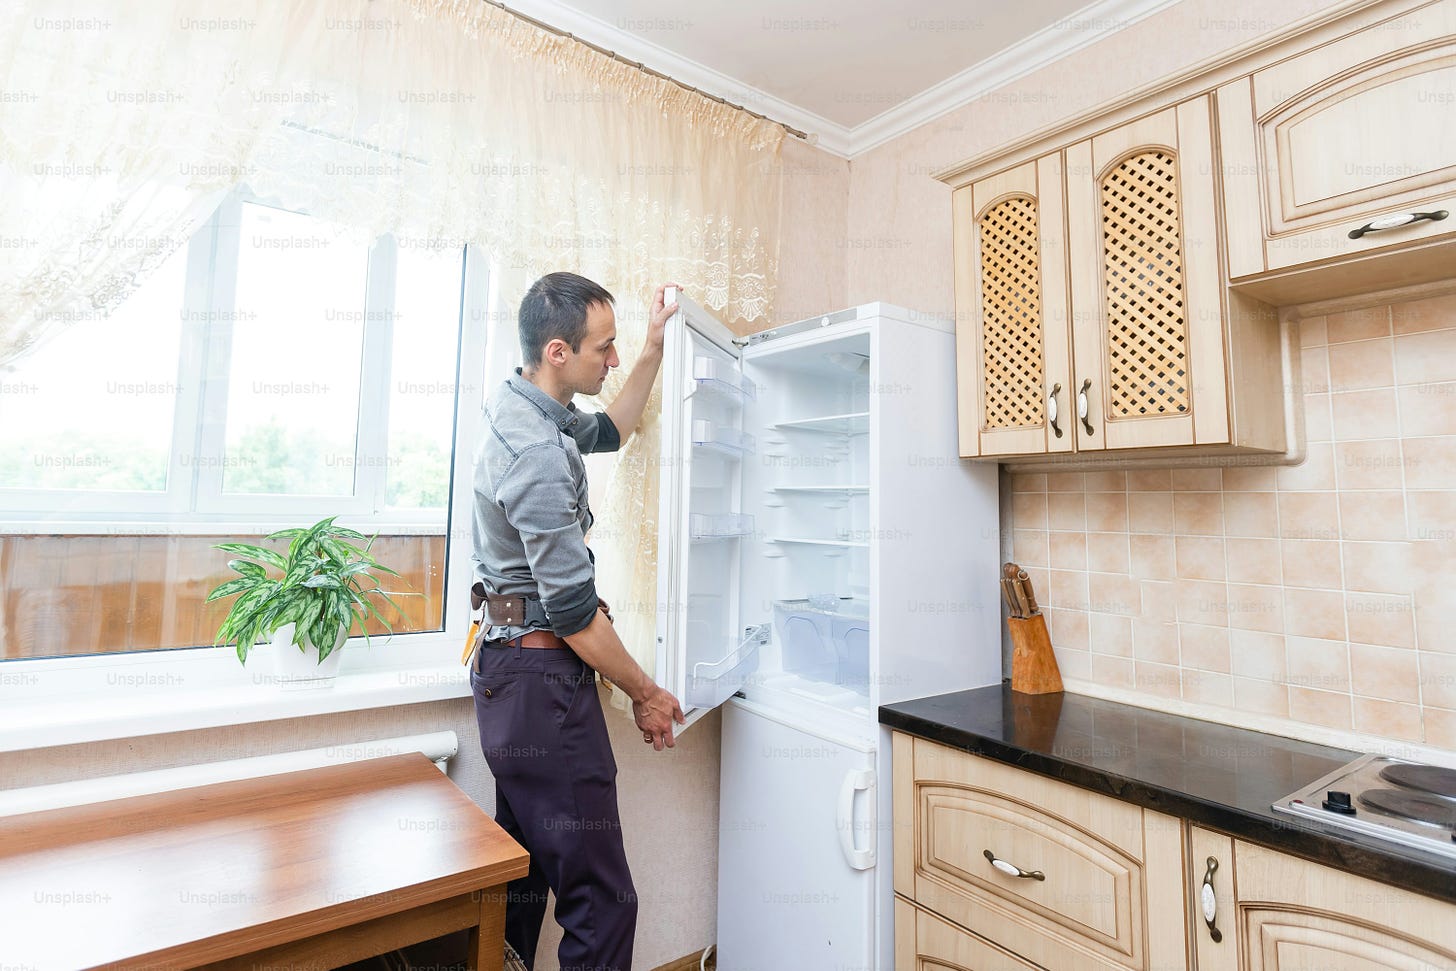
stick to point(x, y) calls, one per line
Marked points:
point(1011, 313)
point(924, 942)
point(1298, 916)
point(1210, 883)
point(1147, 313)
point(1351, 131)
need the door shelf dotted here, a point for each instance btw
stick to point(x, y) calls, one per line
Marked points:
point(711, 682)
point(722, 526)
point(723, 439)
point(717, 379)
point(850, 423)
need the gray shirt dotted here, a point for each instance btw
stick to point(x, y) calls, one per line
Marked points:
point(531, 511)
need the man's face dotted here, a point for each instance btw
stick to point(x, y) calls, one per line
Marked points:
point(587, 369)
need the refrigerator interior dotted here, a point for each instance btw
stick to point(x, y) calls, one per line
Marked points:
point(809, 489)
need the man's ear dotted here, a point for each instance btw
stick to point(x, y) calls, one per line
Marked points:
point(555, 352)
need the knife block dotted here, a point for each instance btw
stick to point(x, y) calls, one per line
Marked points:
point(1033, 665)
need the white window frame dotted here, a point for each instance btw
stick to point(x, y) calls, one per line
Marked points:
point(70, 700)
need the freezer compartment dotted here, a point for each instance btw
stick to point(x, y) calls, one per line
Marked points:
point(826, 640)
point(712, 682)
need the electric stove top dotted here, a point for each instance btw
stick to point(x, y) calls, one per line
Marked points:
point(1386, 799)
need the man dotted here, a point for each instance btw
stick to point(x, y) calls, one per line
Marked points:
point(534, 674)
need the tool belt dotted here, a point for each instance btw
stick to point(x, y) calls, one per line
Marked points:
point(502, 610)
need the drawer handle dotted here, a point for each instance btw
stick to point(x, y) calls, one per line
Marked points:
point(1082, 404)
point(1396, 220)
point(1011, 869)
point(1209, 900)
point(1052, 408)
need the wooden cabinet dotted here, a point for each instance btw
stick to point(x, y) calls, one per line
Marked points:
point(1089, 289)
point(1292, 915)
point(1012, 347)
point(1056, 875)
point(1340, 136)
point(925, 942)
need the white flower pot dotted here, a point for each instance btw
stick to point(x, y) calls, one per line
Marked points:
point(295, 668)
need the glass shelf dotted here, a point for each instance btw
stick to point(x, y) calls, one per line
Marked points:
point(851, 423)
point(721, 438)
point(719, 379)
point(824, 489)
point(721, 526)
point(805, 541)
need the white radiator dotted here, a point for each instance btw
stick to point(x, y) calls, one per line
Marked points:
point(439, 747)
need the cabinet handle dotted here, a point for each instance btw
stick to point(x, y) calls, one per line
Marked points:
point(1396, 220)
point(1082, 405)
point(1052, 408)
point(1011, 869)
point(1210, 902)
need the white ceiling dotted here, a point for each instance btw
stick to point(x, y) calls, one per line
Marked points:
point(853, 72)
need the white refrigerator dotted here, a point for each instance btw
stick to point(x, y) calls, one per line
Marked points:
point(822, 550)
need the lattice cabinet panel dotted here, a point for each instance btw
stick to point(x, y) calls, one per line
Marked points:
point(1147, 331)
point(1011, 315)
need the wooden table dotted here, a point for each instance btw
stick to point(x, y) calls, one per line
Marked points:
point(308, 869)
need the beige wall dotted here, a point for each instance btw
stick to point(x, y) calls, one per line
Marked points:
point(1316, 596)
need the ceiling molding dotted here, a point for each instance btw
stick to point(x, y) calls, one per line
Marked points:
point(1068, 35)
point(1052, 43)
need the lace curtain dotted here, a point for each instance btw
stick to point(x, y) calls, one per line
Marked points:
point(444, 122)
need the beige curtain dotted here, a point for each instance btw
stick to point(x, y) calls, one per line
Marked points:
point(441, 122)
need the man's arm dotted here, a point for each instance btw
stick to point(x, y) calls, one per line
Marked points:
point(654, 707)
point(626, 409)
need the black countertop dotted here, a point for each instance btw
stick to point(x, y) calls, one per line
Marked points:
point(1223, 777)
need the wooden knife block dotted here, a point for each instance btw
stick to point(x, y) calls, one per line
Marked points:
point(1033, 665)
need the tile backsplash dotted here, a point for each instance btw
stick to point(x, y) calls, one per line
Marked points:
point(1323, 593)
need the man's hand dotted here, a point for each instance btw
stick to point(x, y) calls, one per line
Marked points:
point(661, 311)
point(655, 714)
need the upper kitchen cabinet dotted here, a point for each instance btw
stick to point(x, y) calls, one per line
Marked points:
point(1341, 160)
point(1092, 312)
point(1148, 328)
point(1013, 357)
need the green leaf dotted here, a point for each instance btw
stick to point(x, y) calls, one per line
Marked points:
point(247, 568)
point(231, 587)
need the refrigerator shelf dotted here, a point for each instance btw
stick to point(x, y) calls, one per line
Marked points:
point(850, 423)
point(723, 439)
point(722, 526)
point(804, 541)
point(824, 489)
point(719, 380)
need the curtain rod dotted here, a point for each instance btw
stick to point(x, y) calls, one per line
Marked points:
point(642, 67)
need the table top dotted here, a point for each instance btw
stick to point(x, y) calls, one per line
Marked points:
point(211, 872)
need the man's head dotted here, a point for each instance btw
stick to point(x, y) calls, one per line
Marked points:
point(568, 329)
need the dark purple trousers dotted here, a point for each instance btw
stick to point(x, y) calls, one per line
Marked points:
point(545, 740)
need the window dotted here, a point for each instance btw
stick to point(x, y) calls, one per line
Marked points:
point(274, 372)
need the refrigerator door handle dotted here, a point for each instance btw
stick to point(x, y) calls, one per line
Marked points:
point(856, 780)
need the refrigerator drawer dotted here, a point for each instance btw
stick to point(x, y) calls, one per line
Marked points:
point(1047, 870)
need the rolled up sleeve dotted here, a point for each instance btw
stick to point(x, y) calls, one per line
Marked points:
point(539, 500)
point(596, 432)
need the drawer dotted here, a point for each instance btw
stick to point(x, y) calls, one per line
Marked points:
point(1049, 871)
point(925, 942)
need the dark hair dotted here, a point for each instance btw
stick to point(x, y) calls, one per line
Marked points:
point(556, 306)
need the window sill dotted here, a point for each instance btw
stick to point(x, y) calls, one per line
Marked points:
point(131, 711)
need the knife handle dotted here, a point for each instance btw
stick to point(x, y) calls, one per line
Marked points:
point(1023, 583)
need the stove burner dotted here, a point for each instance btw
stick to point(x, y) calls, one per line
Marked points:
point(1432, 810)
point(1426, 778)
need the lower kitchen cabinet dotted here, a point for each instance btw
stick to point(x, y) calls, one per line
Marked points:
point(1056, 875)
point(925, 942)
point(1276, 912)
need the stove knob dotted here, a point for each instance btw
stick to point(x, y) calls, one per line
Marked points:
point(1338, 802)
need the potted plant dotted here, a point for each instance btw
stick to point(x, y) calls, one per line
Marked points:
point(326, 584)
